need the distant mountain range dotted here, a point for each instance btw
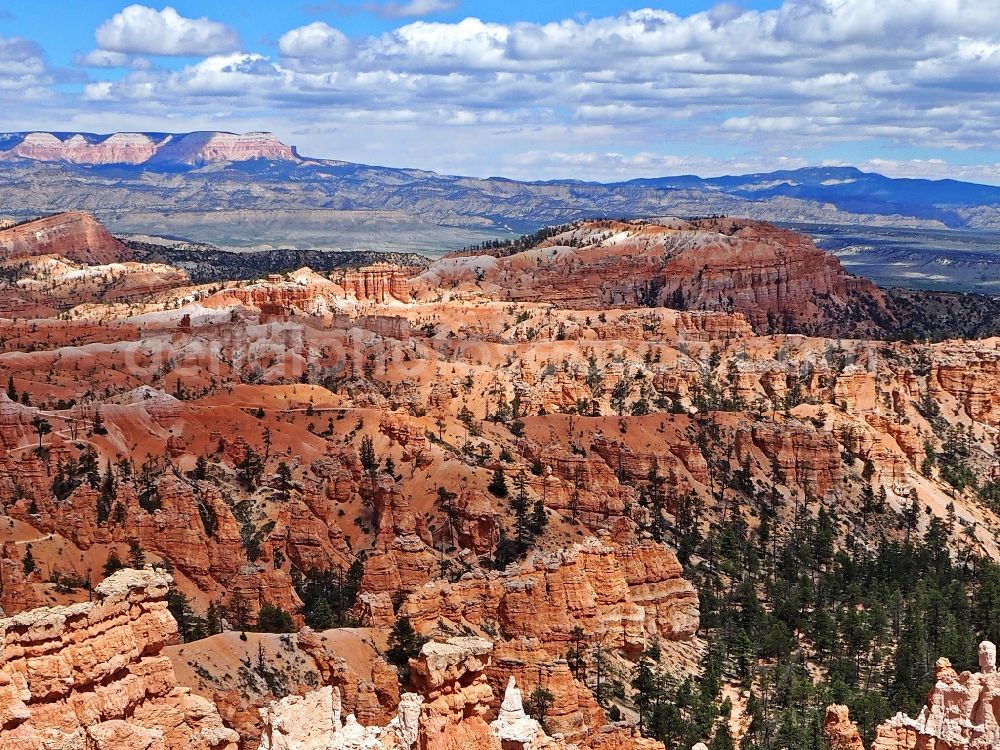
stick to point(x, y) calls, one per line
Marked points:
point(151, 150)
point(850, 190)
point(252, 189)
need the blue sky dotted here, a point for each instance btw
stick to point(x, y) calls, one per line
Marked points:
point(591, 90)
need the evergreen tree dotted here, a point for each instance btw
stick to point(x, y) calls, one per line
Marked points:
point(498, 485)
point(113, 564)
point(273, 619)
point(239, 611)
point(41, 426)
point(404, 644)
point(28, 563)
point(190, 625)
point(539, 520)
point(200, 469)
point(538, 704)
point(136, 555)
point(250, 469)
point(107, 497)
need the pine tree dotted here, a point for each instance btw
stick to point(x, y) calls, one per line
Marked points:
point(136, 556)
point(250, 469)
point(200, 469)
point(214, 617)
point(28, 563)
point(239, 611)
point(42, 427)
point(404, 644)
point(520, 505)
point(273, 619)
point(538, 704)
point(113, 564)
point(539, 520)
point(498, 485)
point(106, 499)
point(190, 625)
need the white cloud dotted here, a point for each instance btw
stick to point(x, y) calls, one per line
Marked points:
point(101, 58)
point(317, 41)
point(808, 76)
point(139, 29)
point(23, 70)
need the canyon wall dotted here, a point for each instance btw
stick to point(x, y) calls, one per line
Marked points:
point(73, 235)
point(625, 595)
point(90, 676)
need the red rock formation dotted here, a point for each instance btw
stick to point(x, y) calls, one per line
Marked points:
point(776, 278)
point(372, 697)
point(90, 675)
point(118, 148)
point(969, 372)
point(309, 293)
point(16, 593)
point(380, 282)
point(962, 711)
point(214, 668)
point(801, 457)
point(773, 276)
point(212, 147)
point(574, 712)
point(452, 711)
point(73, 235)
point(840, 731)
point(593, 586)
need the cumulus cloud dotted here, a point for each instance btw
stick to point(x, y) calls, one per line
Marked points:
point(141, 30)
point(317, 41)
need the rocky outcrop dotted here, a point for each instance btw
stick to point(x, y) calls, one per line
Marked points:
point(777, 279)
point(215, 147)
point(591, 585)
point(307, 293)
point(73, 235)
point(840, 732)
point(312, 722)
point(117, 148)
point(962, 712)
point(800, 457)
point(573, 713)
point(371, 697)
point(456, 707)
point(512, 725)
point(90, 675)
point(969, 372)
point(380, 282)
point(388, 326)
